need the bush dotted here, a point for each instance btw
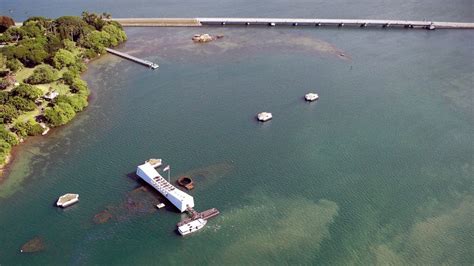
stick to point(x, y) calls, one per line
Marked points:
point(96, 40)
point(60, 114)
point(90, 53)
point(117, 35)
point(78, 67)
point(77, 101)
point(5, 148)
point(69, 45)
point(7, 136)
point(4, 95)
point(4, 84)
point(15, 34)
point(30, 52)
point(42, 74)
point(8, 113)
point(79, 86)
point(22, 104)
point(69, 76)
point(14, 64)
point(29, 128)
point(63, 58)
point(27, 91)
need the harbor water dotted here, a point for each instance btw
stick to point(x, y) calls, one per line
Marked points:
point(379, 170)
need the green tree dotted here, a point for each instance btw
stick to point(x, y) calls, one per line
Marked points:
point(117, 35)
point(3, 60)
point(5, 148)
point(30, 52)
point(32, 30)
point(94, 20)
point(4, 84)
point(69, 76)
point(89, 53)
point(79, 86)
point(8, 113)
point(59, 114)
point(70, 27)
point(4, 95)
point(77, 102)
point(63, 58)
point(53, 44)
point(20, 128)
point(28, 128)
point(15, 34)
point(7, 136)
point(43, 22)
point(69, 45)
point(14, 64)
point(96, 40)
point(42, 74)
point(22, 104)
point(27, 91)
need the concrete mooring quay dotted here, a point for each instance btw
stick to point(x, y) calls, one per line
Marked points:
point(193, 22)
point(133, 58)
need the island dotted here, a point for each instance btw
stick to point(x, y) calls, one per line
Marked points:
point(41, 63)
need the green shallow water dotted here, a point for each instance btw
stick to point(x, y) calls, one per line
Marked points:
point(378, 171)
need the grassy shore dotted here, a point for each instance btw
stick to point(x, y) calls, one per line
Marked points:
point(41, 62)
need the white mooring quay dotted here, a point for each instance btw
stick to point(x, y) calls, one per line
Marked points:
point(178, 198)
point(133, 58)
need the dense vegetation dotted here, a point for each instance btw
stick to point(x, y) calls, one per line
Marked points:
point(40, 67)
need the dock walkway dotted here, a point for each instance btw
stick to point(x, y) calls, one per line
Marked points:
point(133, 58)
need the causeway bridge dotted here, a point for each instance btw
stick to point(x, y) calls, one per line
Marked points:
point(312, 22)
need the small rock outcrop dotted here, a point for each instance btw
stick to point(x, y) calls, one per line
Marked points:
point(202, 38)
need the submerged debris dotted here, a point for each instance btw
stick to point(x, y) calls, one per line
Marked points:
point(34, 245)
point(102, 217)
point(186, 182)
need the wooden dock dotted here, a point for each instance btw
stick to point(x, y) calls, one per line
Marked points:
point(312, 22)
point(133, 58)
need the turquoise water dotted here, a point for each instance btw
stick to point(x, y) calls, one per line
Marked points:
point(379, 170)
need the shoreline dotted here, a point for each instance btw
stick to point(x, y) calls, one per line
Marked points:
point(5, 167)
point(35, 109)
point(11, 158)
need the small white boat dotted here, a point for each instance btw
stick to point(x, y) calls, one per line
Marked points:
point(264, 116)
point(160, 205)
point(191, 227)
point(311, 97)
point(67, 200)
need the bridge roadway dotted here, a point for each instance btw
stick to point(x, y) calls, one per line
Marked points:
point(192, 22)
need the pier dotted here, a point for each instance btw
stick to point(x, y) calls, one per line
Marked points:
point(133, 58)
point(206, 215)
point(293, 22)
